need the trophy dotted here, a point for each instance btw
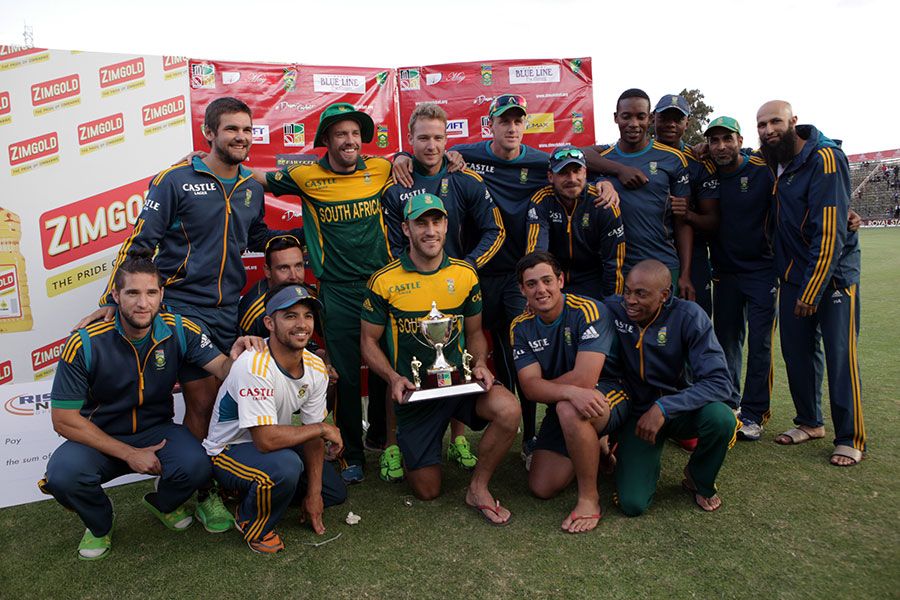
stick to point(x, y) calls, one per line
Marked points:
point(442, 378)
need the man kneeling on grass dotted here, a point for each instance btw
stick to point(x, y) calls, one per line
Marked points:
point(255, 448)
point(662, 340)
point(398, 296)
point(560, 347)
point(112, 401)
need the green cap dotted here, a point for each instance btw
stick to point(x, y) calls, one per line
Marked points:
point(341, 111)
point(725, 123)
point(420, 204)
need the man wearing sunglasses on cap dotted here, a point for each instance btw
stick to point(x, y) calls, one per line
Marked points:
point(588, 241)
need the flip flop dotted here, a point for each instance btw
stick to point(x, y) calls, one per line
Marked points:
point(848, 452)
point(686, 486)
point(797, 436)
point(573, 517)
point(480, 508)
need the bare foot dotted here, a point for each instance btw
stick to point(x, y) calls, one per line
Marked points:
point(584, 517)
point(708, 504)
point(489, 508)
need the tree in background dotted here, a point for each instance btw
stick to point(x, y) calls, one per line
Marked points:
point(700, 112)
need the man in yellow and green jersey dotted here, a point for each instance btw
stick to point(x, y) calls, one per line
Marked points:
point(345, 238)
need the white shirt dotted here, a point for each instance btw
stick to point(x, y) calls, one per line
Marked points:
point(257, 392)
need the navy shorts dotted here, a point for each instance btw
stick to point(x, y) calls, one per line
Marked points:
point(220, 324)
point(420, 429)
point(551, 437)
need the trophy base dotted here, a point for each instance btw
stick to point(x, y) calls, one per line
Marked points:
point(437, 393)
point(443, 384)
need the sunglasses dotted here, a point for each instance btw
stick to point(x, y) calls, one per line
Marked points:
point(568, 153)
point(283, 237)
point(508, 100)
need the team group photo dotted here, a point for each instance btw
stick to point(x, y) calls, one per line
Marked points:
point(470, 353)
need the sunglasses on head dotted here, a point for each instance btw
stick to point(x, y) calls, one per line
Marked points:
point(568, 153)
point(283, 237)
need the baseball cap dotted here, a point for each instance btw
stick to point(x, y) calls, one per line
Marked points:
point(504, 102)
point(289, 296)
point(420, 204)
point(673, 101)
point(566, 155)
point(341, 111)
point(725, 123)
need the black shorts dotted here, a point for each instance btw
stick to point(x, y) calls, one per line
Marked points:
point(420, 439)
point(551, 437)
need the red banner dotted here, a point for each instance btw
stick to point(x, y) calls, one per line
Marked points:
point(558, 91)
point(287, 100)
point(874, 156)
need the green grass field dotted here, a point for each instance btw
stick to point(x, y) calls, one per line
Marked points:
point(791, 525)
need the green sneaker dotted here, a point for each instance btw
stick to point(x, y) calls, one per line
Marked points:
point(460, 452)
point(94, 548)
point(213, 514)
point(177, 520)
point(391, 463)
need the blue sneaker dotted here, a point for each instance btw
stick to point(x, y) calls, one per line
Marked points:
point(352, 474)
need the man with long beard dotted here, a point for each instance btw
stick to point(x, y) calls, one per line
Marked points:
point(818, 262)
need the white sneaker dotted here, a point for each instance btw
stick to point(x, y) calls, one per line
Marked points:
point(750, 431)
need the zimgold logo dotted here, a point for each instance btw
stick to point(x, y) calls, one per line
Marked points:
point(174, 66)
point(88, 226)
point(33, 152)
point(55, 90)
point(5, 108)
point(94, 131)
point(163, 114)
point(121, 72)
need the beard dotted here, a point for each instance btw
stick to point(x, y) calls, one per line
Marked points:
point(783, 151)
point(223, 155)
point(134, 323)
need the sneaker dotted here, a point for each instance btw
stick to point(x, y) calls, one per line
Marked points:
point(391, 463)
point(527, 451)
point(268, 544)
point(177, 520)
point(750, 431)
point(94, 548)
point(460, 452)
point(212, 513)
point(352, 474)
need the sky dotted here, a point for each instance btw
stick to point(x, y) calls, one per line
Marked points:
point(836, 61)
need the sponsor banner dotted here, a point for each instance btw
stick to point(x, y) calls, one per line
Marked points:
point(5, 109)
point(39, 151)
point(881, 155)
point(74, 278)
point(558, 93)
point(288, 100)
point(880, 223)
point(91, 225)
point(174, 66)
point(44, 359)
point(6, 372)
point(27, 441)
point(122, 76)
point(163, 114)
point(54, 94)
point(101, 133)
point(12, 57)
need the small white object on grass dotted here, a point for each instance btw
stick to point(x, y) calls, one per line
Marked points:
point(352, 519)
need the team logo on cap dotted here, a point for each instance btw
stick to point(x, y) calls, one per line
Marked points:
point(674, 100)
